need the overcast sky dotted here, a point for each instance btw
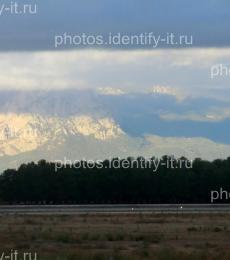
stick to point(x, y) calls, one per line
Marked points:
point(207, 20)
point(33, 56)
point(188, 70)
point(27, 44)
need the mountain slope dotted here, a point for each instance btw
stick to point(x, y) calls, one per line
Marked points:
point(27, 132)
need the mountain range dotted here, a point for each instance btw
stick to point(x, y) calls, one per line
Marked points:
point(105, 123)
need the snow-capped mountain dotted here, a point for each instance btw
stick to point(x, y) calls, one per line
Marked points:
point(52, 125)
point(166, 90)
point(110, 91)
point(27, 132)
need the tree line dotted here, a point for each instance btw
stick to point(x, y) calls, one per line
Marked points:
point(45, 183)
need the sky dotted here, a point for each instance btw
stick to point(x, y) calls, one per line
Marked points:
point(192, 71)
point(122, 49)
point(44, 48)
point(207, 20)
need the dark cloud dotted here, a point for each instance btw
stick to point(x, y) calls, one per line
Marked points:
point(207, 20)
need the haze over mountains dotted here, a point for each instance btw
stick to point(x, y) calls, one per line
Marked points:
point(99, 101)
point(104, 123)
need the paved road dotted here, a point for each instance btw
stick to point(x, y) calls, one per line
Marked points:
point(114, 209)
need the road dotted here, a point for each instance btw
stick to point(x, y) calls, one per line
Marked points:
point(114, 209)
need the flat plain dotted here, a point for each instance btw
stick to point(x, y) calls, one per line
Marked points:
point(118, 236)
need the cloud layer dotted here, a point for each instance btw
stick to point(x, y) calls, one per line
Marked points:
point(206, 20)
point(187, 71)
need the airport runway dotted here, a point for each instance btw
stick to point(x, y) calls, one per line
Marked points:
point(114, 209)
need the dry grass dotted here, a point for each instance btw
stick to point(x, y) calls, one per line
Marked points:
point(118, 236)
